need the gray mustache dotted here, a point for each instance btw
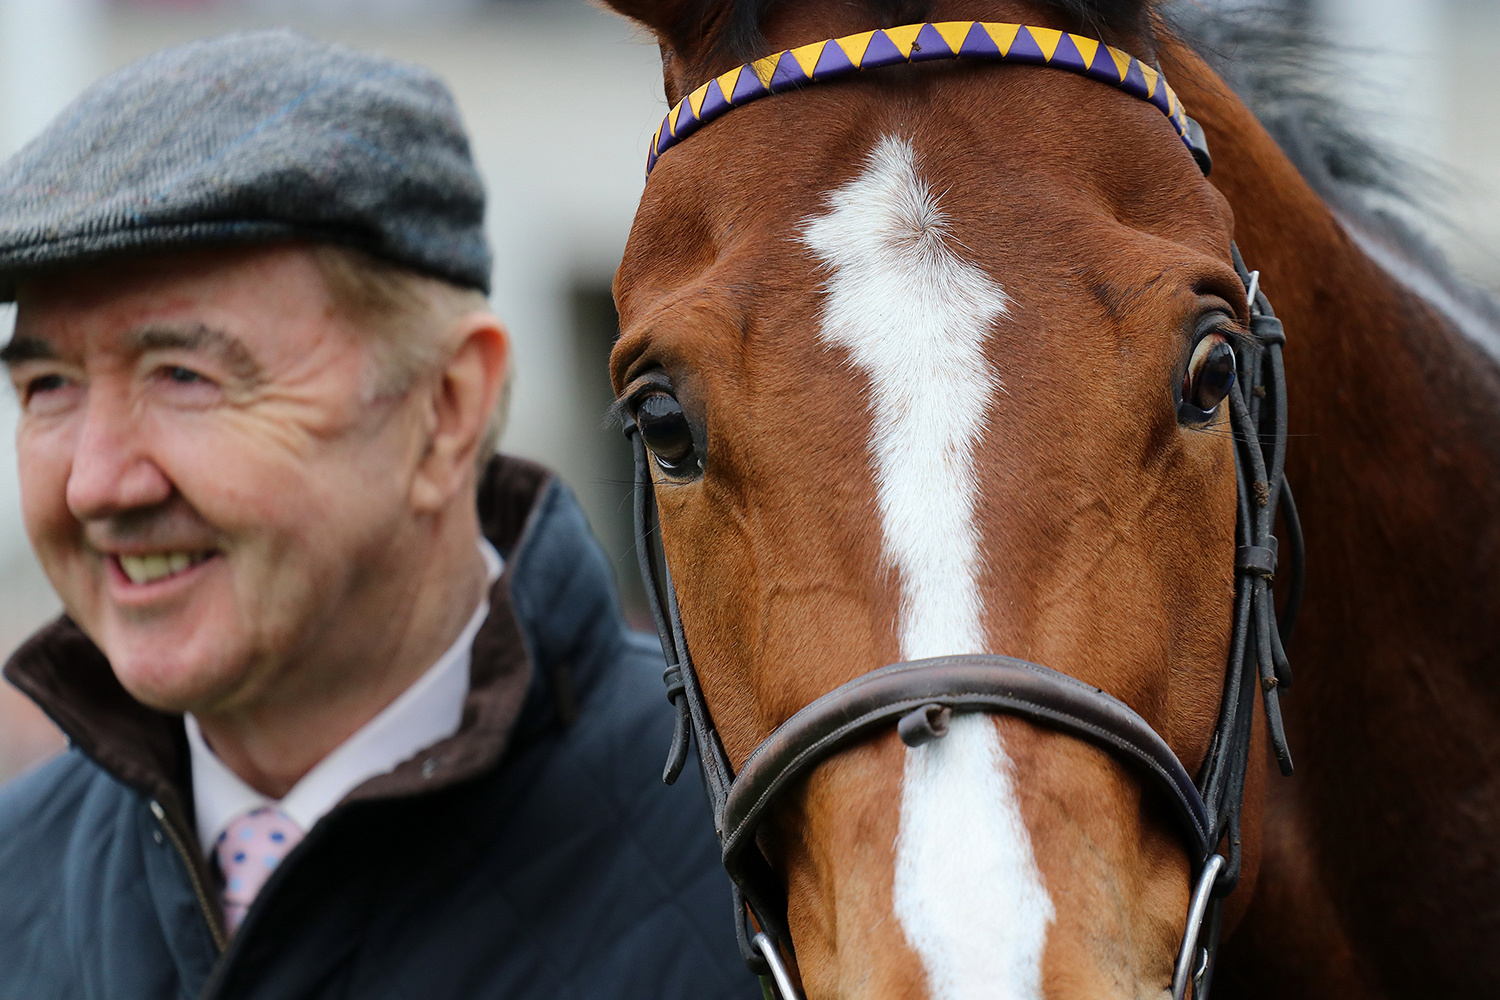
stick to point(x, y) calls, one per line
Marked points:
point(171, 525)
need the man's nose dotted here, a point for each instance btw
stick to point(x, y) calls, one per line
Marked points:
point(112, 470)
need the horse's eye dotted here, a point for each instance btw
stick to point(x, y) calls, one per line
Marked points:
point(664, 428)
point(1210, 374)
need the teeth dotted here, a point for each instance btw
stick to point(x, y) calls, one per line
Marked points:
point(149, 568)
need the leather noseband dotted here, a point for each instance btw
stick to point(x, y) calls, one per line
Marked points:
point(919, 691)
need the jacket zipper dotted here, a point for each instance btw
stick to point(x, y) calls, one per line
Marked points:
point(201, 891)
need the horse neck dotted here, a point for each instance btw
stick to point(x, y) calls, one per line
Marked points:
point(1380, 861)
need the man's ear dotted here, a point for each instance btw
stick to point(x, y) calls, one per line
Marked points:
point(461, 396)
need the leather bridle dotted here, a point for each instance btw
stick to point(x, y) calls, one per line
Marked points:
point(918, 697)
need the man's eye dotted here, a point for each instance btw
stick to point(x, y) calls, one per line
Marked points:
point(45, 383)
point(184, 376)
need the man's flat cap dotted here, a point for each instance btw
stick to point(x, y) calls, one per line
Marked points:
point(247, 138)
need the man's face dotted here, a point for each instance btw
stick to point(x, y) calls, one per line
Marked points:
point(207, 475)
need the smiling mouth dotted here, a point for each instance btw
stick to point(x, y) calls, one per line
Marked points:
point(159, 565)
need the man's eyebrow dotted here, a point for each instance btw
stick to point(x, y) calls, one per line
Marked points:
point(23, 348)
point(199, 337)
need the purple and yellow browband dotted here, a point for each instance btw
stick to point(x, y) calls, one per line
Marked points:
point(982, 40)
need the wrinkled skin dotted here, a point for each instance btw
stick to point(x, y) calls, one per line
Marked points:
point(221, 405)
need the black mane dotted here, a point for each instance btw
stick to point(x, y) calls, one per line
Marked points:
point(1287, 72)
point(1102, 18)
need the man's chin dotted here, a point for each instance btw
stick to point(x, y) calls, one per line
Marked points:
point(173, 677)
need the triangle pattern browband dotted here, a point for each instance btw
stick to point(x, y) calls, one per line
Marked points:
point(978, 40)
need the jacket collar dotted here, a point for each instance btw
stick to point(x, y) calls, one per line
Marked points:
point(554, 595)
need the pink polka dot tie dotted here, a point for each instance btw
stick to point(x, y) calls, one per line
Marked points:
point(249, 850)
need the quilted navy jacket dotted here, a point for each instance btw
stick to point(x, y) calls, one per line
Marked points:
point(535, 854)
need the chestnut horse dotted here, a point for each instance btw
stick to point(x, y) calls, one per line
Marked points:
point(926, 333)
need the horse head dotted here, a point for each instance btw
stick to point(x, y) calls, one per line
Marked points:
point(930, 360)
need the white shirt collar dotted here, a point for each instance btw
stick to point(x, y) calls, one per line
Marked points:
point(425, 713)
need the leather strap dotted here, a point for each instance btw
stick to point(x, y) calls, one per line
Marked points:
point(980, 683)
point(1257, 560)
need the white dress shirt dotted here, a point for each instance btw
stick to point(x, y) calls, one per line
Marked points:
point(428, 711)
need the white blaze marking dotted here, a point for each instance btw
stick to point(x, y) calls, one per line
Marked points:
point(914, 318)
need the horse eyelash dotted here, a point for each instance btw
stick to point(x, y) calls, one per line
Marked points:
point(618, 413)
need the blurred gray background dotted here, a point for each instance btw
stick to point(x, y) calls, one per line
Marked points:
point(561, 100)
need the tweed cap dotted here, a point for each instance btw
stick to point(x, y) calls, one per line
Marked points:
point(250, 137)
